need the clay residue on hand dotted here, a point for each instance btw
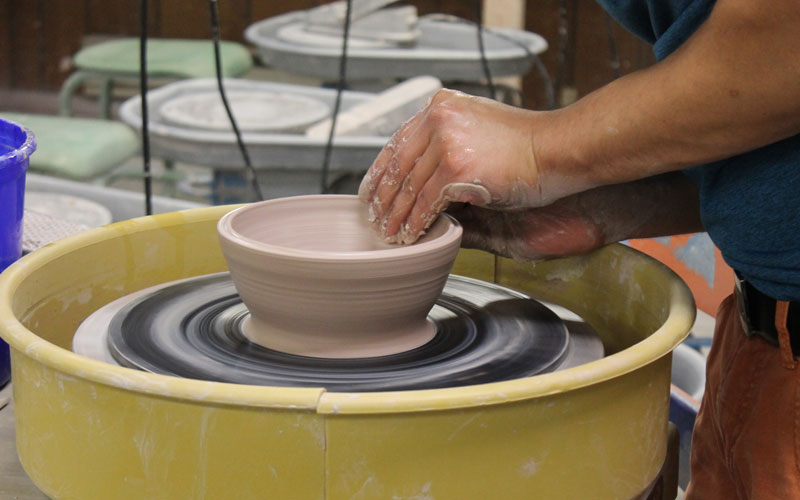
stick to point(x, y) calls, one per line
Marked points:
point(466, 192)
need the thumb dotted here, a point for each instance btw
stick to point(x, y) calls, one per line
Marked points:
point(479, 227)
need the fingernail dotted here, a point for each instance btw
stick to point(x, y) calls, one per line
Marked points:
point(405, 234)
point(375, 210)
point(365, 188)
point(426, 218)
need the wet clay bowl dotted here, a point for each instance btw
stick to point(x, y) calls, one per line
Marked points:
point(318, 281)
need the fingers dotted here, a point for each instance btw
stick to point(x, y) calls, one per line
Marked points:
point(406, 161)
point(403, 167)
point(373, 176)
point(435, 196)
point(371, 182)
point(394, 217)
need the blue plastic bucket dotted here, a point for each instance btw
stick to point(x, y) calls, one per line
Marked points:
point(16, 146)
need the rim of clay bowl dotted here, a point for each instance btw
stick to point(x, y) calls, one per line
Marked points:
point(451, 236)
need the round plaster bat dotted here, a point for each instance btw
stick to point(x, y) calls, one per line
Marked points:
point(319, 281)
point(254, 111)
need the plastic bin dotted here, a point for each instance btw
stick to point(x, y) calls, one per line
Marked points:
point(17, 143)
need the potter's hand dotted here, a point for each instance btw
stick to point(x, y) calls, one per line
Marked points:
point(459, 148)
point(534, 234)
point(656, 206)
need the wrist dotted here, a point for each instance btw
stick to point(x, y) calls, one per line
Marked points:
point(560, 155)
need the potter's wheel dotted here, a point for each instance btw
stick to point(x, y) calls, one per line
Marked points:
point(192, 329)
point(148, 435)
point(445, 49)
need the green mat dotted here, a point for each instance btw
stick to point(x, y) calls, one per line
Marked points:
point(165, 57)
point(77, 148)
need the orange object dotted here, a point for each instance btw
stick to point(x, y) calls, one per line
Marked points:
point(697, 261)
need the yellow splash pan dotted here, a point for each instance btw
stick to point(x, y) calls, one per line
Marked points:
point(89, 430)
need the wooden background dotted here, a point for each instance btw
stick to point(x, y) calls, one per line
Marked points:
point(42, 35)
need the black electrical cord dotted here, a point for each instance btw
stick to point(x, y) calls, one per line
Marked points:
point(544, 75)
point(567, 29)
point(326, 160)
point(492, 91)
point(148, 183)
point(549, 89)
point(482, 49)
point(537, 61)
point(250, 171)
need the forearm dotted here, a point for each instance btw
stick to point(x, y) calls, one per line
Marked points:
point(732, 87)
point(663, 205)
point(657, 206)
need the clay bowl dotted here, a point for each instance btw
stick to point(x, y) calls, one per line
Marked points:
point(318, 281)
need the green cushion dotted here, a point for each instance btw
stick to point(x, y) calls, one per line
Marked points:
point(165, 57)
point(77, 148)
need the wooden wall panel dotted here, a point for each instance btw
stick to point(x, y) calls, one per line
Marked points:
point(587, 59)
point(63, 23)
point(43, 33)
point(121, 17)
point(544, 20)
point(261, 10)
point(5, 46)
point(193, 20)
point(27, 34)
point(182, 19)
point(592, 43)
point(234, 17)
point(461, 8)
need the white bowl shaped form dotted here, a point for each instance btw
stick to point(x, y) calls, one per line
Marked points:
point(318, 280)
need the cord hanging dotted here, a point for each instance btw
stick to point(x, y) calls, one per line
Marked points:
point(547, 81)
point(148, 182)
point(326, 160)
point(250, 171)
point(484, 61)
